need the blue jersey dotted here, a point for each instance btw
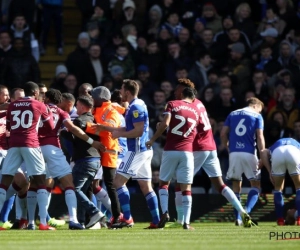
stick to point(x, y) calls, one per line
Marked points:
point(243, 124)
point(122, 141)
point(137, 112)
point(283, 142)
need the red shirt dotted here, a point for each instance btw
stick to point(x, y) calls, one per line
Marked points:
point(182, 127)
point(23, 118)
point(49, 136)
point(204, 140)
point(3, 139)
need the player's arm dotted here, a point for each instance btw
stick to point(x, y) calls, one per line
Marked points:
point(160, 129)
point(83, 136)
point(47, 117)
point(260, 139)
point(224, 137)
point(265, 160)
point(136, 132)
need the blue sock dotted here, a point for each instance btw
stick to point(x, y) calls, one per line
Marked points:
point(7, 207)
point(279, 203)
point(252, 199)
point(298, 201)
point(153, 206)
point(94, 200)
point(236, 213)
point(124, 199)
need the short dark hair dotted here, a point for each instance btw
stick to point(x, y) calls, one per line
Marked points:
point(2, 87)
point(68, 97)
point(30, 88)
point(132, 86)
point(86, 101)
point(13, 92)
point(54, 96)
point(116, 96)
point(42, 85)
point(189, 92)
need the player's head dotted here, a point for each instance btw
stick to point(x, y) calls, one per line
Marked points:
point(4, 94)
point(16, 94)
point(43, 90)
point(84, 104)
point(129, 90)
point(31, 89)
point(290, 217)
point(53, 96)
point(67, 103)
point(255, 103)
point(188, 93)
point(181, 85)
point(85, 89)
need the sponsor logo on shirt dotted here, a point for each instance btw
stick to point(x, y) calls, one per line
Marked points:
point(135, 113)
point(240, 145)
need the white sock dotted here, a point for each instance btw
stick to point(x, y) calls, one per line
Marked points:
point(49, 199)
point(71, 202)
point(187, 207)
point(103, 197)
point(178, 204)
point(31, 205)
point(231, 197)
point(2, 197)
point(164, 199)
point(10, 192)
point(21, 208)
point(42, 200)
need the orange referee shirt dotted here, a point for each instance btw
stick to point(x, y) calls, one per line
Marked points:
point(107, 115)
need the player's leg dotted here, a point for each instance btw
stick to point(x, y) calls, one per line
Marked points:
point(278, 174)
point(144, 177)
point(296, 180)
point(83, 175)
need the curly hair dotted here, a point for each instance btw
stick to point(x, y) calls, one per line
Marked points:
point(54, 96)
point(186, 82)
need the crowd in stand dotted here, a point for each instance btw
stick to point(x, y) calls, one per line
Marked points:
point(230, 49)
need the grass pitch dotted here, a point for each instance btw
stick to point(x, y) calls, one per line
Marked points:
point(206, 236)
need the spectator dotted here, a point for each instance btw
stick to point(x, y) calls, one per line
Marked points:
point(164, 38)
point(167, 88)
point(285, 54)
point(213, 20)
point(287, 13)
point(60, 74)
point(159, 101)
point(173, 25)
point(143, 74)
point(117, 74)
point(26, 7)
point(227, 24)
point(91, 67)
point(70, 85)
point(279, 117)
point(296, 130)
point(288, 107)
point(19, 67)
point(109, 51)
point(154, 20)
point(208, 99)
point(95, 34)
point(181, 72)
point(51, 9)
point(5, 45)
point(198, 72)
point(75, 58)
point(199, 27)
point(108, 83)
point(85, 89)
point(20, 29)
point(184, 39)
point(123, 59)
point(294, 68)
point(243, 20)
point(130, 38)
point(260, 87)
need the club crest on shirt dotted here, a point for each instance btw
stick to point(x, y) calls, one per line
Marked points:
point(135, 113)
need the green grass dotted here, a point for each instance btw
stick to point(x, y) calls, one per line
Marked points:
point(209, 236)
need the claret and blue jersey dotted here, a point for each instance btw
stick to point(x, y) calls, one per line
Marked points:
point(243, 124)
point(137, 112)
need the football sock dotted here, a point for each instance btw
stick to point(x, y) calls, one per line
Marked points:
point(153, 206)
point(7, 207)
point(124, 199)
point(252, 199)
point(2, 196)
point(71, 202)
point(102, 196)
point(236, 212)
point(178, 204)
point(279, 203)
point(94, 200)
point(42, 200)
point(31, 204)
point(187, 205)
point(49, 190)
point(298, 200)
point(12, 190)
point(164, 198)
point(231, 197)
point(21, 207)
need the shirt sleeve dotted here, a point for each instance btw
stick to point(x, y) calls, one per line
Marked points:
point(260, 123)
point(138, 113)
point(168, 108)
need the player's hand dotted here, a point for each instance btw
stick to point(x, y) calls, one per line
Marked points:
point(98, 145)
point(116, 134)
point(149, 144)
point(260, 164)
point(97, 128)
point(157, 125)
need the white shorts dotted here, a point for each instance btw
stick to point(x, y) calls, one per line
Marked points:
point(32, 157)
point(177, 164)
point(56, 163)
point(242, 162)
point(285, 158)
point(209, 161)
point(136, 165)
